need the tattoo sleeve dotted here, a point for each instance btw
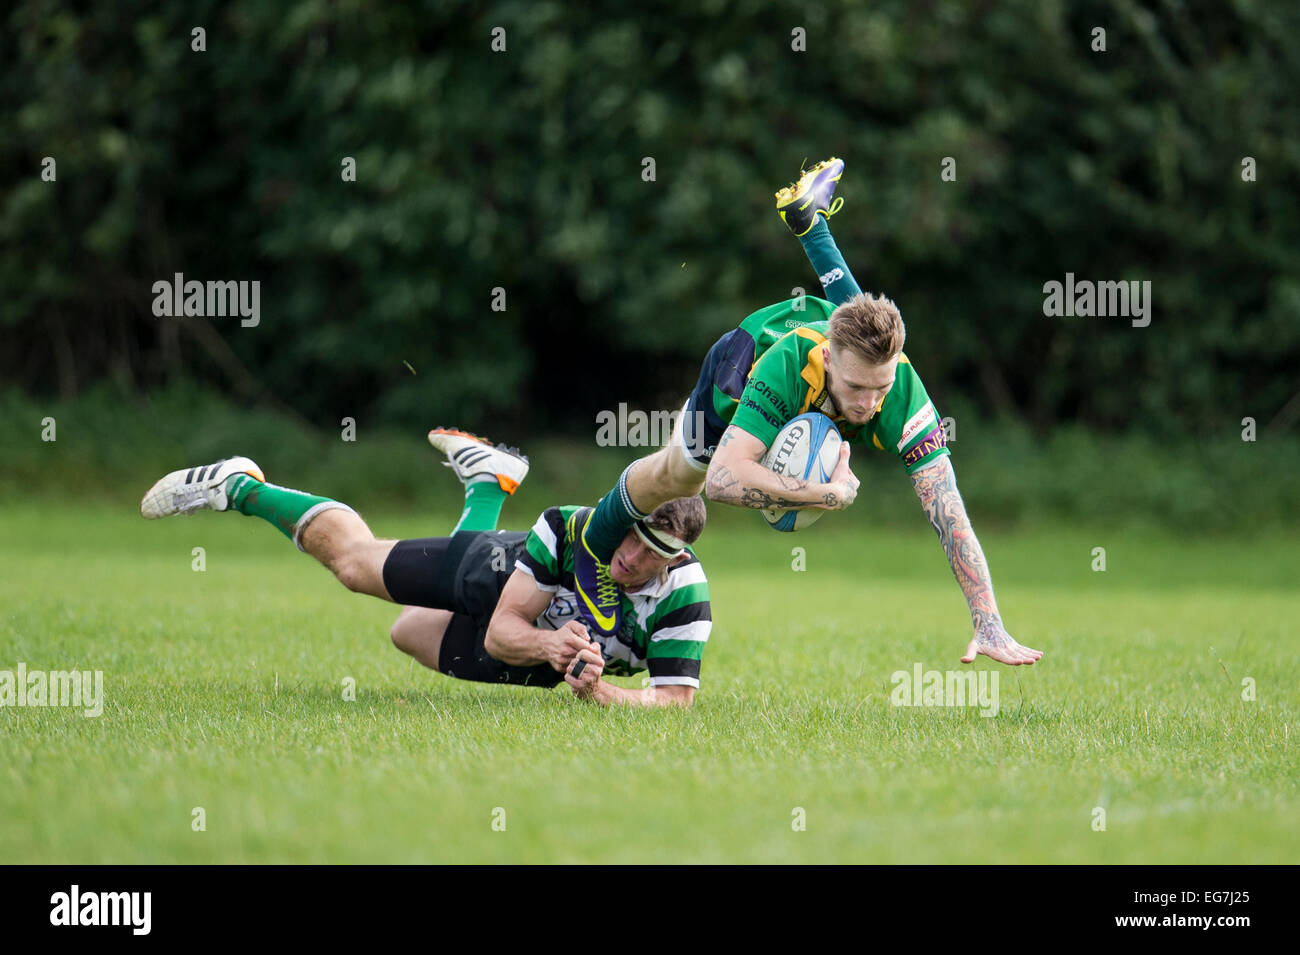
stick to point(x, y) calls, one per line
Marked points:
point(936, 486)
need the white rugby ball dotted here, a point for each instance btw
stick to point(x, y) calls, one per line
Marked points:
point(808, 447)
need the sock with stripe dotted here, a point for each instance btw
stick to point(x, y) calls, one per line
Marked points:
point(281, 507)
point(612, 519)
point(824, 254)
point(483, 500)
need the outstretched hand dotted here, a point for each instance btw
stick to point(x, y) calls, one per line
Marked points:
point(994, 642)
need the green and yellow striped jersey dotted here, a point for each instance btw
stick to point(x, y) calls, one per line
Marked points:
point(666, 622)
point(788, 378)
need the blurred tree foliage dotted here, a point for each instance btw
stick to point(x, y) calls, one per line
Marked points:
point(523, 169)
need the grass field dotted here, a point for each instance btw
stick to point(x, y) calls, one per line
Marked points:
point(224, 691)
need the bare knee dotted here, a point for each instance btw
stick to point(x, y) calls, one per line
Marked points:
point(689, 481)
point(418, 632)
point(359, 566)
point(677, 476)
point(351, 569)
point(662, 477)
point(404, 631)
point(332, 532)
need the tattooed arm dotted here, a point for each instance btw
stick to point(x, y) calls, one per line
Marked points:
point(737, 476)
point(936, 486)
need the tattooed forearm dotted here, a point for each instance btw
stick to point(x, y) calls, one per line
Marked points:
point(719, 483)
point(753, 497)
point(723, 486)
point(936, 486)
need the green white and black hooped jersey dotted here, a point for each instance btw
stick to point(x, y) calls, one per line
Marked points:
point(665, 623)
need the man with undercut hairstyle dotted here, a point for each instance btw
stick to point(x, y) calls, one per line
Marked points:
point(495, 606)
point(842, 356)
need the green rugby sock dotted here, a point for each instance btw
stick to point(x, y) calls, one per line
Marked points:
point(282, 507)
point(824, 254)
point(483, 501)
point(613, 518)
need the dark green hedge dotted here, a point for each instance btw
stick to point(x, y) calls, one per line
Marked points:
point(522, 169)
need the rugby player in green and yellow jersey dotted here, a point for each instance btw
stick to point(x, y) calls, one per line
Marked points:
point(843, 357)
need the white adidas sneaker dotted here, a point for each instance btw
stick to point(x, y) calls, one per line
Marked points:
point(196, 489)
point(471, 456)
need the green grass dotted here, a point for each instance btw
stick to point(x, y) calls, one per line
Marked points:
point(223, 690)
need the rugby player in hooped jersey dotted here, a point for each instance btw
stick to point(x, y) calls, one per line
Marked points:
point(488, 605)
point(843, 357)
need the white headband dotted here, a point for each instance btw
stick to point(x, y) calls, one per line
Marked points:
point(661, 542)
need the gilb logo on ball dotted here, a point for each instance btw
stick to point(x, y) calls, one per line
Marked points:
point(792, 438)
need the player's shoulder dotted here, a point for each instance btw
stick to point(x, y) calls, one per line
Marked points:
point(683, 598)
point(906, 397)
point(793, 349)
point(686, 573)
point(551, 524)
point(561, 512)
point(909, 393)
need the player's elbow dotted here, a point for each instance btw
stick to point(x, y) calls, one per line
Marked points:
point(716, 480)
point(491, 639)
point(494, 638)
point(710, 483)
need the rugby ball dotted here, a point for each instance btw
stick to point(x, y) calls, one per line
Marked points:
point(808, 447)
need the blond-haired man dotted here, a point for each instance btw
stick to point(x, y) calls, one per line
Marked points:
point(842, 356)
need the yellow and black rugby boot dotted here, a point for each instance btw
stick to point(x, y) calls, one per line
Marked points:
point(799, 204)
